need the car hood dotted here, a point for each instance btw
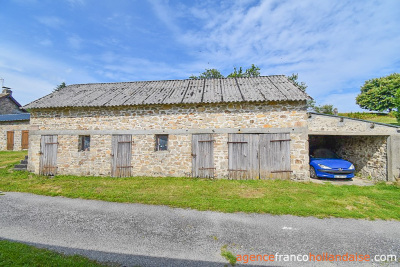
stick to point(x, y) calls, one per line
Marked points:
point(332, 163)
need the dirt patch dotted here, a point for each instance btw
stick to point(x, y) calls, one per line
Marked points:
point(355, 181)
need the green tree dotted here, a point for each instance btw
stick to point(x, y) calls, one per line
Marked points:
point(60, 86)
point(208, 74)
point(325, 109)
point(379, 93)
point(397, 103)
point(294, 78)
point(236, 73)
point(253, 71)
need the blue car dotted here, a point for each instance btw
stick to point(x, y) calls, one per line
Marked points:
point(326, 164)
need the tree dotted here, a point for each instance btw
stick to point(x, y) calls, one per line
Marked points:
point(294, 78)
point(325, 109)
point(379, 93)
point(397, 103)
point(60, 86)
point(253, 71)
point(208, 74)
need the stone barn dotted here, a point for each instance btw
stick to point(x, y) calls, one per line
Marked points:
point(236, 128)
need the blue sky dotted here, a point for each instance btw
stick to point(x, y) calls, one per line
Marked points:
point(334, 45)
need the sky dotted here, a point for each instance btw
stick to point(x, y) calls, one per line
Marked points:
point(333, 45)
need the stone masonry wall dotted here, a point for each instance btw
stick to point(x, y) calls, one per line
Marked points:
point(367, 153)
point(177, 160)
point(17, 127)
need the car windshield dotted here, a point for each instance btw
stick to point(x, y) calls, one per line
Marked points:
point(324, 153)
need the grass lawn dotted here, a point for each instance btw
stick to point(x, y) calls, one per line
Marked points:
point(381, 201)
point(17, 254)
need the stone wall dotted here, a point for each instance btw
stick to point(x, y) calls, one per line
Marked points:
point(177, 161)
point(17, 127)
point(367, 153)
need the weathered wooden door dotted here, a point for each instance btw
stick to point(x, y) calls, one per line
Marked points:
point(25, 140)
point(203, 155)
point(48, 155)
point(121, 165)
point(243, 156)
point(10, 140)
point(259, 156)
point(275, 156)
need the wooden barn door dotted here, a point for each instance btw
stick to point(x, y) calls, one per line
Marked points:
point(121, 155)
point(25, 140)
point(203, 155)
point(275, 156)
point(48, 157)
point(243, 156)
point(10, 140)
point(259, 156)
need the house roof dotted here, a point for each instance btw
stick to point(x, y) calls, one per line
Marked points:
point(15, 117)
point(266, 88)
point(9, 96)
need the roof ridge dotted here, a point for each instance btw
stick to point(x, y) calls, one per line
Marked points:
point(173, 80)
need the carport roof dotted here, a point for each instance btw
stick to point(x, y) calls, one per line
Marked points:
point(348, 118)
point(15, 117)
point(257, 89)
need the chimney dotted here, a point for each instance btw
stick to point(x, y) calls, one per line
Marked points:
point(6, 90)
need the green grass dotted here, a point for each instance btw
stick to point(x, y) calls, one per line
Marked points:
point(17, 254)
point(381, 201)
point(376, 117)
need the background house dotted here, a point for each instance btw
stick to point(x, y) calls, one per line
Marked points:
point(14, 123)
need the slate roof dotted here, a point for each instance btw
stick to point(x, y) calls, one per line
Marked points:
point(265, 88)
point(2, 95)
point(15, 117)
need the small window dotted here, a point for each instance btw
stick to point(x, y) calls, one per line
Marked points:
point(84, 143)
point(161, 142)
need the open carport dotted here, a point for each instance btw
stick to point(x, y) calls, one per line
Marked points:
point(373, 148)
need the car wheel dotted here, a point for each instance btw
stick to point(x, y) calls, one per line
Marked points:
point(312, 172)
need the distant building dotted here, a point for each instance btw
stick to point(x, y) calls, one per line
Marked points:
point(14, 123)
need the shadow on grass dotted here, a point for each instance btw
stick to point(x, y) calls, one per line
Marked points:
point(121, 259)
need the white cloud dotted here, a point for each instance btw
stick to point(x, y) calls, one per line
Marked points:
point(46, 42)
point(32, 76)
point(75, 42)
point(51, 21)
point(333, 45)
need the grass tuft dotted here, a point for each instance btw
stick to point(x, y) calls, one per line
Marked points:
point(228, 255)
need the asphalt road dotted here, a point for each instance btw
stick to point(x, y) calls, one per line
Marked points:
point(145, 235)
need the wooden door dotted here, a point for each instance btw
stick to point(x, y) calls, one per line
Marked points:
point(10, 140)
point(25, 140)
point(203, 155)
point(259, 156)
point(275, 156)
point(48, 155)
point(243, 156)
point(121, 165)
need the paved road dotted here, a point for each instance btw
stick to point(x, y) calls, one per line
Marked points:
point(144, 235)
